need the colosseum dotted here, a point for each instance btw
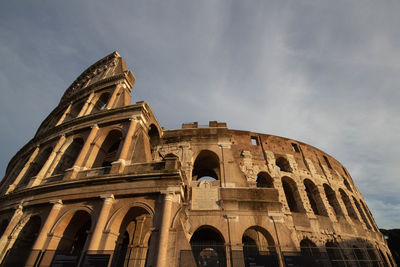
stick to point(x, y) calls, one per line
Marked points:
point(103, 184)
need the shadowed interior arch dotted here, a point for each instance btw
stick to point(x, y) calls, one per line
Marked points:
point(206, 165)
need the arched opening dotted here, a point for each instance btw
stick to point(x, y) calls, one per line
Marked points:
point(68, 158)
point(3, 226)
point(333, 202)
point(360, 256)
point(206, 166)
point(283, 164)
point(335, 254)
point(368, 215)
point(19, 253)
point(349, 207)
point(75, 234)
point(310, 253)
point(264, 180)
point(133, 240)
point(346, 183)
point(101, 102)
point(75, 110)
point(292, 195)
point(108, 150)
point(208, 247)
point(373, 256)
point(362, 213)
point(314, 198)
point(258, 247)
point(36, 165)
point(154, 136)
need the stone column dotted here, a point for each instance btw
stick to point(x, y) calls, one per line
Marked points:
point(113, 97)
point(51, 218)
point(65, 114)
point(101, 222)
point(84, 152)
point(11, 225)
point(38, 179)
point(40, 243)
point(164, 231)
point(119, 165)
point(23, 171)
point(85, 106)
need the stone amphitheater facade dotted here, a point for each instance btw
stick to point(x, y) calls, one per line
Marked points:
point(103, 184)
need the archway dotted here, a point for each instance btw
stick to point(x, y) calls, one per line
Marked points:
point(108, 150)
point(314, 198)
point(101, 102)
point(283, 164)
point(36, 165)
point(133, 239)
point(208, 247)
point(349, 207)
point(19, 253)
point(206, 166)
point(360, 256)
point(69, 156)
point(310, 254)
point(258, 247)
point(264, 180)
point(332, 200)
point(335, 254)
point(292, 195)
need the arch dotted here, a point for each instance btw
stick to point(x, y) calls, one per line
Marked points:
point(264, 180)
point(373, 256)
point(69, 156)
point(292, 195)
point(360, 256)
point(206, 165)
point(133, 235)
point(36, 165)
point(108, 151)
point(308, 248)
point(59, 225)
point(208, 247)
point(73, 229)
point(154, 136)
point(102, 102)
point(371, 219)
point(335, 254)
point(117, 217)
point(346, 183)
point(314, 198)
point(17, 255)
point(258, 243)
point(283, 164)
point(361, 213)
point(332, 200)
point(349, 207)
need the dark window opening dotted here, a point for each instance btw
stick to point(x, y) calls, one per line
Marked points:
point(206, 165)
point(349, 207)
point(283, 164)
point(295, 148)
point(332, 199)
point(347, 185)
point(314, 198)
point(292, 195)
point(108, 151)
point(345, 172)
point(254, 140)
point(69, 157)
point(265, 180)
point(208, 247)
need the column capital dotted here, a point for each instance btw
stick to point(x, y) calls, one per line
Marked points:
point(56, 202)
point(108, 198)
point(94, 126)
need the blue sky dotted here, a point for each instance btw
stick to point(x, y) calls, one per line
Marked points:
point(323, 72)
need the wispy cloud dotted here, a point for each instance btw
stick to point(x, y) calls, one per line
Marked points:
point(325, 73)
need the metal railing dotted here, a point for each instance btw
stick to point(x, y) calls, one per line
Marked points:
point(211, 255)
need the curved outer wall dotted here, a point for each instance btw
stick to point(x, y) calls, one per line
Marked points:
point(102, 177)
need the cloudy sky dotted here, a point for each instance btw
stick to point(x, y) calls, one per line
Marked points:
point(323, 72)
